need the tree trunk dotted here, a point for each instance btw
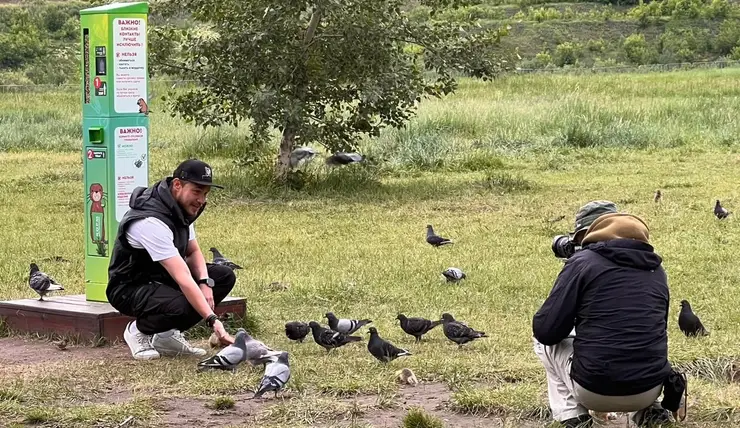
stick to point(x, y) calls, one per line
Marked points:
point(287, 144)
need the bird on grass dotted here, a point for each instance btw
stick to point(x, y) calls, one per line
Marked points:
point(343, 325)
point(230, 357)
point(689, 323)
point(277, 374)
point(330, 339)
point(343, 158)
point(301, 156)
point(61, 344)
point(657, 196)
point(219, 259)
point(459, 332)
point(42, 283)
point(453, 274)
point(297, 330)
point(383, 350)
point(720, 212)
point(416, 326)
point(435, 240)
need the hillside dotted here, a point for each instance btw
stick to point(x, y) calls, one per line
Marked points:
point(546, 35)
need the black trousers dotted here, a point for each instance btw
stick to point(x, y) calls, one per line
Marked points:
point(160, 306)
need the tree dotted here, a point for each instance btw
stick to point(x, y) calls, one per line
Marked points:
point(326, 71)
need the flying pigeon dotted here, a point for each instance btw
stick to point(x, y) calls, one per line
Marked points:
point(301, 155)
point(415, 326)
point(229, 357)
point(453, 274)
point(330, 339)
point(296, 330)
point(342, 158)
point(219, 259)
point(277, 374)
point(720, 212)
point(459, 332)
point(257, 352)
point(344, 325)
point(434, 239)
point(42, 283)
point(657, 196)
point(383, 350)
point(689, 323)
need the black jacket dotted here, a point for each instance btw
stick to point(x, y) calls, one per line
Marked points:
point(615, 293)
point(130, 265)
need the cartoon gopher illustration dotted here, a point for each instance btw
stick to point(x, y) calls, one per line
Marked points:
point(96, 196)
point(143, 108)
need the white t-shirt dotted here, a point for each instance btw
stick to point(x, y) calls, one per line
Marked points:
point(155, 237)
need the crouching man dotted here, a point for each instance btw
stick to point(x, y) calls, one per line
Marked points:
point(601, 333)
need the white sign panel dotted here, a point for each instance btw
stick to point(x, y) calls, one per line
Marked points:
point(129, 65)
point(131, 166)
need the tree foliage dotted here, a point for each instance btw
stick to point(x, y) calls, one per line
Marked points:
point(326, 72)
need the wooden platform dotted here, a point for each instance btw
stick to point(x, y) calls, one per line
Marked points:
point(75, 316)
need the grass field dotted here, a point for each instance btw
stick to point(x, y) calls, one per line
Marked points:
point(487, 167)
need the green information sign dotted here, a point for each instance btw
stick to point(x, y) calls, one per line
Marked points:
point(115, 126)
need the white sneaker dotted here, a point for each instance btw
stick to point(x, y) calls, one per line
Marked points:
point(139, 343)
point(173, 344)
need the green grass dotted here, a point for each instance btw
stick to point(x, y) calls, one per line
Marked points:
point(516, 152)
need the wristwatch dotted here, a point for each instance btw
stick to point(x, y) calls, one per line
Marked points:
point(207, 281)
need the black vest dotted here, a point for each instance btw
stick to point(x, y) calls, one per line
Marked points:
point(130, 265)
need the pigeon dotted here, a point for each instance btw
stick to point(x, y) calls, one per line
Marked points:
point(459, 332)
point(342, 158)
point(296, 330)
point(301, 155)
point(689, 323)
point(42, 283)
point(453, 274)
point(657, 196)
point(219, 259)
point(344, 325)
point(416, 327)
point(277, 374)
point(61, 344)
point(257, 352)
point(407, 376)
point(383, 350)
point(229, 357)
point(720, 212)
point(434, 239)
point(330, 339)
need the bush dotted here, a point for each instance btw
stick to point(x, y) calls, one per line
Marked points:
point(542, 59)
point(567, 54)
point(596, 45)
point(728, 37)
point(637, 50)
point(735, 54)
point(683, 44)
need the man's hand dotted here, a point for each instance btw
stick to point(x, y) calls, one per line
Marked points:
point(208, 294)
point(223, 336)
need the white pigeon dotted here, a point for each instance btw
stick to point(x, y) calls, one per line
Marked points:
point(453, 274)
point(42, 283)
point(257, 352)
point(229, 357)
point(301, 155)
point(277, 374)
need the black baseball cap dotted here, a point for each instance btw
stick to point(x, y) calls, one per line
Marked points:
point(195, 171)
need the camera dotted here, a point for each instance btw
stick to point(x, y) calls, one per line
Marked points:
point(564, 247)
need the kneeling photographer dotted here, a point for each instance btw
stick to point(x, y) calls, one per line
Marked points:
point(601, 333)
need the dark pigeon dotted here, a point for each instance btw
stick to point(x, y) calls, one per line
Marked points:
point(383, 350)
point(277, 374)
point(330, 339)
point(42, 283)
point(219, 259)
point(342, 158)
point(720, 212)
point(434, 239)
point(344, 325)
point(458, 332)
point(689, 323)
point(415, 326)
point(296, 330)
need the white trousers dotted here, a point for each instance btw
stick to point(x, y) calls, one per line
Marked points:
point(569, 400)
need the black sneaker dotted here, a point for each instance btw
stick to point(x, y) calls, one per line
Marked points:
point(582, 421)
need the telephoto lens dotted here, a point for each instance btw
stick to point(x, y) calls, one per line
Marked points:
point(563, 247)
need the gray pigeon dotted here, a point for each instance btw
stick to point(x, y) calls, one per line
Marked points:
point(344, 325)
point(719, 211)
point(435, 240)
point(301, 155)
point(383, 350)
point(259, 353)
point(330, 339)
point(42, 283)
point(219, 259)
point(342, 158)
point(277, 374)
point(229, 357)
point(459, 332)
point(453, 274)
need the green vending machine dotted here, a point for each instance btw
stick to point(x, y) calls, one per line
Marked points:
point(115, 127)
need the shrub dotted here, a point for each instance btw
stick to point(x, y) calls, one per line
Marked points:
point(567, 54)
point(637, 50)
